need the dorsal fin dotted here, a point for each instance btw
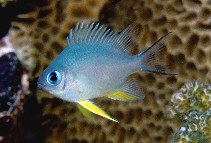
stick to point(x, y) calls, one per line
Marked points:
point(91, 32)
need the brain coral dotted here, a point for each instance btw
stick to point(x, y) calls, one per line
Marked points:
point(42, 34)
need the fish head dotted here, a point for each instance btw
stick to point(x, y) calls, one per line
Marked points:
point(52, 81)
point(61, 83)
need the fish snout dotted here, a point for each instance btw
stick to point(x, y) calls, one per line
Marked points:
point(41, 83)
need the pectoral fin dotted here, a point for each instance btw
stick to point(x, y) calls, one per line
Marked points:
point(95, 109)
point(130, 91)
point(89, 115)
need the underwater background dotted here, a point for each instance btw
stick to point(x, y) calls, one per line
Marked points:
point(176, 108)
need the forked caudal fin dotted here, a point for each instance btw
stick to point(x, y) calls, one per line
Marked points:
point(152, 58)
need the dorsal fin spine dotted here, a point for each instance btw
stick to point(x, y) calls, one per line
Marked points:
point(100, 33)
point(111, 40)
point(118, 42)
point(93, 31)
point(121, 38)
point(128, 43)
point(86, 27)
point(67, 39)
point(108, 36)
point(97, 31)
point(84, 32)
point(89, 34)
point(80, 31)
point(76, 32)
point(70, 36)
point(124, 37)
point(106, 32)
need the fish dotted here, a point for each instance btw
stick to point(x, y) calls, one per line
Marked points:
point(96, 63)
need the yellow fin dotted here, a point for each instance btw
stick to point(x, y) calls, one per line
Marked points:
point(123, 96)
point(86, 112)
point(130, 91)
point(94, 109)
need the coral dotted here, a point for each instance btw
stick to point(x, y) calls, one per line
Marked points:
point(196, 129)
point(191, 105)
point(42, 34)
point(13, 91)
point(193, 96)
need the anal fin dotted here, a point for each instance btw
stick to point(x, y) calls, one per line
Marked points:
point(122, 96)
point(95, 109)
point(130, 91)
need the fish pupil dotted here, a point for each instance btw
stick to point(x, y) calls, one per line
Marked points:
point(53, 77)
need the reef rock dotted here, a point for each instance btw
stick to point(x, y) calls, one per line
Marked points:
point(191, 105)
point(13, 92)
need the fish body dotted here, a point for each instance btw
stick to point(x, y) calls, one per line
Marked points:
point(93, 73)
point(96, 63)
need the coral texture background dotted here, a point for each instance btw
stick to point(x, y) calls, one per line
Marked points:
point(41, 37)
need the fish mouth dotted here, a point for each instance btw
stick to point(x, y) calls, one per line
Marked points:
point(39, 85)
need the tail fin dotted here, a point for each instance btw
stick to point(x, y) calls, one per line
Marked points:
point(152, 59)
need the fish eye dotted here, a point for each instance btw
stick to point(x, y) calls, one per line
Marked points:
point(54, 78)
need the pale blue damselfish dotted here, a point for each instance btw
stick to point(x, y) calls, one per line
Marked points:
point(96, 63)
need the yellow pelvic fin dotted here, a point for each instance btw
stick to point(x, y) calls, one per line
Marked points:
point(86, 112)
point(95, 109)
point(123, 96)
